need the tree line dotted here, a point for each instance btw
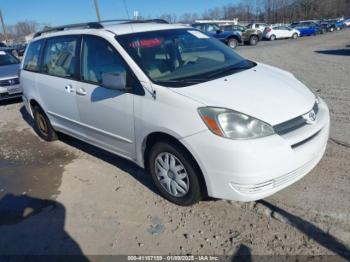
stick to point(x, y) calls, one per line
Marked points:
point(270, 11)
point(21, 29)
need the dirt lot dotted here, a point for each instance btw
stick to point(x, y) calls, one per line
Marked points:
point(68, 197)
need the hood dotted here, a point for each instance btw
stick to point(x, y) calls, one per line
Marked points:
point(9, 71)
point(264, 92)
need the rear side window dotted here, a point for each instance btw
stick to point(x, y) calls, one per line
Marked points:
point(32, 59)
point(100, 57)
point(61, 56)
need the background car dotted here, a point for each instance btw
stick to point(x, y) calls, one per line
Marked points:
point(332, 25)
point(19, 48)
point(6, 48)
point(307, 28)
point(258, 26)
point(339, 24)
point(9, 81)
point(279, 32)
point(249, 36)
point(347, 22)
point(230, 38)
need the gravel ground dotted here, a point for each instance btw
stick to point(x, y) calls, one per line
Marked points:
point(68, 197)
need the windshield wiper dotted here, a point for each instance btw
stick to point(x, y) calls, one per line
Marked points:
point(231, 69)
point(188, 81)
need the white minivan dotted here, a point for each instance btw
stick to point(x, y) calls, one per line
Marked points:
point(202, 119)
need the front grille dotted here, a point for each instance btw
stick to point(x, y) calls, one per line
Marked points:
point(8, 96)
point(293, 124)
point(9, 82)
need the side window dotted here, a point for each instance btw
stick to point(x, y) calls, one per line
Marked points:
point(31, 61)
point(100, 57)
point(61, 56)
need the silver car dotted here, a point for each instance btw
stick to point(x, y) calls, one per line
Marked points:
point(9, 81)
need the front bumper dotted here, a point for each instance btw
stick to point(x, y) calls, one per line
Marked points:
point(9, 92)
point(254, 169)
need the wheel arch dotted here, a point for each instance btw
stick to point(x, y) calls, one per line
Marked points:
point(32, 104)
point(155, 137)
point(233, 36)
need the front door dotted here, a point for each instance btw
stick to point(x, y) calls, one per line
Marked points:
point(107, 115)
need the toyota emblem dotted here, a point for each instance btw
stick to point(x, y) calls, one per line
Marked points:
point(310, 117)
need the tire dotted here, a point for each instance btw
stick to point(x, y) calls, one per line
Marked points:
point(272, 38)
point(191, 193)
point(253, 40)
point(295, 36)
point(338, 28)
point(42, 125)
point(331, 29)
point(233, 43)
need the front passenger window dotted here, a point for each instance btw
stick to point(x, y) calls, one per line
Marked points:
point(99, 57)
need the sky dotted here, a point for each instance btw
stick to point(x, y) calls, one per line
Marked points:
point(58, 12)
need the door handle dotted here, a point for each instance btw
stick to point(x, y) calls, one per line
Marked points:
point(81, 91)
point(69, 88)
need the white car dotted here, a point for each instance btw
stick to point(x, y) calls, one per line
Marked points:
point(280, 32)
point(202, 119)
point(258, 26)
point(347, 22)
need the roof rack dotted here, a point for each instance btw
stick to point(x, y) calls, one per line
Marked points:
point(94, 25)
point(158, 21)
point(97, 25)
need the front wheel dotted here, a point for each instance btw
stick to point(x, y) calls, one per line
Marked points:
point(175, 174)
point(273, 38)
point(295, 36)
point(232, 43)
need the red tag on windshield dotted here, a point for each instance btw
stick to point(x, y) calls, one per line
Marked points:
point(146, 43)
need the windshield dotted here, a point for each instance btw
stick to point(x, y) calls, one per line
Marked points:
point(7, 59)
point(181, 57)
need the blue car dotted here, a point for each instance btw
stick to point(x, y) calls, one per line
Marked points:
point(339, 24)
point(307, 28)
point(230, 38)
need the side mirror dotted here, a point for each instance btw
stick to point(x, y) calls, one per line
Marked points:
point(116, 81)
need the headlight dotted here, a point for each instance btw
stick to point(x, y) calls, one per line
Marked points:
point(231, 124)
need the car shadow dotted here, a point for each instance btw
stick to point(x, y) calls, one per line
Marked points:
point(243, 254)
point(33, 228)
point(102, 93)
point(125, 165)
point(338, 52)
point(318, 235)
point(11, 101)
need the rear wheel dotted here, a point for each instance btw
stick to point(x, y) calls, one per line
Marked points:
point(253, 40)
point(273, 38)
point(232, 43)
point(295, 35)
point(42, 125)
point(175, 174)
